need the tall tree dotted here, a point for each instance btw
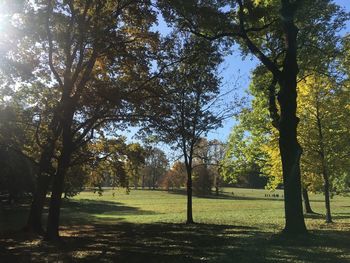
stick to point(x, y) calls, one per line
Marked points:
point(323, 133)
point(95, 56)
point(320, 133)
point(186, 109)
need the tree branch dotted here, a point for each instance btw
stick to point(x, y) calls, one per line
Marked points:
point(49, 36)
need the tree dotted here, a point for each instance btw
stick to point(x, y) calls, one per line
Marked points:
point(217, 152)
point(16, 175)
point(186, 111)
point(95, 56)
point(156, 164)
point(107, 165)
point(320, 133)
point(210, 155)
point(268, 30)
point(202, 180)
point(323, 133)
point(175, 177)
point(246, 153)
point(18, 158)
point(135, 160)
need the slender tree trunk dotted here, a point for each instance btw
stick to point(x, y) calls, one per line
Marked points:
point(327, 197)
point(322, 155)
point(189, 198)
point(154, 181)
point(135, 181)
point(307, 206)
point(289, 147)
point(217, 183)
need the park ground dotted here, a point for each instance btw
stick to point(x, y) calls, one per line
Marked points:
point(241, 225)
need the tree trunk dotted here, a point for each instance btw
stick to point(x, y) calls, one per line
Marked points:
point(307, 206)
point(290, 154)
point(289, 147)
point(55, 205)
point(34, 221)
point(217, 183)
point(327, 198)
point(52, 232)
point(325, 178)
point(44, 176)
point(189, 198)
point(135, 181)
point(322, 154)
point(154, 181)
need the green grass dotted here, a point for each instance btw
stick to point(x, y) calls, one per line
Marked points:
point(241, 225)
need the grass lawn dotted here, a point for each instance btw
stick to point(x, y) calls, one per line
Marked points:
point(241, 225)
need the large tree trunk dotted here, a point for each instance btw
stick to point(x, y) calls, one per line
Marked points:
point(290, 154)
point(52, 232)
point(44, 176)
point(307, 206)
point(34, 221)
point(289, 147)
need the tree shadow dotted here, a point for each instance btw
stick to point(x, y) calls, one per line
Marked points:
point(341, 216)
point(166, 242)
point(335, 216)
point(73, 212)
point(85, 211)
point(226, 196)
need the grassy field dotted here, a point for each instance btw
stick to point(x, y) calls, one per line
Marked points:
point(241, 225)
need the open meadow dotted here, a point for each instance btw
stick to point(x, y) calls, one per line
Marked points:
point(241, 225)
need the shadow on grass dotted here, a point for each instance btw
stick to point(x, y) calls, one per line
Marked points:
point(73, 212)
point(226, 196)
point(88, 240)
point(85, 211)
point(165, 242)
point(335, 216)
